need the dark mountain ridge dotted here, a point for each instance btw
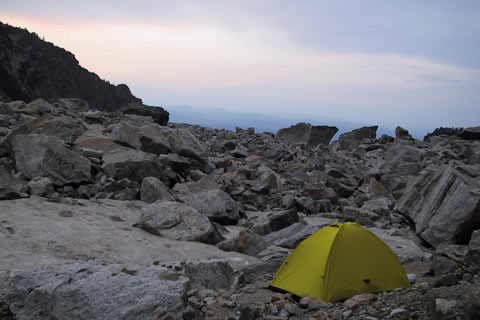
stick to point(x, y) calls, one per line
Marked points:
point(32, 68)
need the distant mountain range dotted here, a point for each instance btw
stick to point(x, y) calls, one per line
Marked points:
point(224, 119)
point(31, 68)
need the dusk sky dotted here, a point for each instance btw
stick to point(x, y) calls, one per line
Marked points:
point(409, 63)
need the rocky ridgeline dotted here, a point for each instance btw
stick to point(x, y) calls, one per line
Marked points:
point(127, 216)
point(32, 68)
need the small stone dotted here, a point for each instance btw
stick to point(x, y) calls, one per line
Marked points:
point(195, 302)
point(311, 304)
point(162, 314)
point(398, 312)
point(355, 301)
point(250, 289)
point(372, 311)
point(83, 192)
point(239, 152)
point(423, 286)
point(447, 281)
point(467, 277)
point(248, 313)
point(291, 308)
point(347, 313)
point(444, 306)
point(41, 186)
point(412, 278)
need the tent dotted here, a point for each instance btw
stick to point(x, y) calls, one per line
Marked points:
point(338, 262)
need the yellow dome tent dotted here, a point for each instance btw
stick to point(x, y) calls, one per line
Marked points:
point(338, 262)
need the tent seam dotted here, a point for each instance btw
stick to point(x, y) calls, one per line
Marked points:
point(327, 265)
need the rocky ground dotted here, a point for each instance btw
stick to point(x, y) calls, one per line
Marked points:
point(127, 216)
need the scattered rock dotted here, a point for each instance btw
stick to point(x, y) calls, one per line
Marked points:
point(355, 301)
point(41, 186)
point(158, 114)
point(472, 133)
point(444, 306)
point(291, 236)
point(215, 204)
point(451, 217)
point(268, 222)
point(347, 139)
point(47, 156)
point(401, 133)
point(65, 292)
point(472, 256)
point(131, 164)
point(307, 134)
point(153, 189)
point(245, 242)
point(176, 221)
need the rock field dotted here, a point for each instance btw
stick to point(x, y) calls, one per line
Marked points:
point(124, 215)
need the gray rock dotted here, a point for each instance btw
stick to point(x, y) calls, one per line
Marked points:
point(11, 187)
point(39, 107)
point(310, 206)
point(406, 250)
point(385, 138)
point(66, 128)
point(245, 242)
point(412, 278)
point(307, 134)
point(400, 153)
point(248, 313)
point(291, 236)
point(184, 142)
point(74, 104)
point(361, 216)
point(126, 135)
point(215, 204)
point(444, 306)
point(358, 300)
point(442, 265)
point(380, 205)
point(153, 189)
point(444, 204)
point(312, 304)
point(132, 164)
point(398, 312)
point(214, 274)
point(473, 253)
point(5, 109)
point(154, 138)
point(95, 290)
point(401, 133)
point(268, 222)
point(176, 221)
point(178, 163)
point(357, 135)
point(407, 169)
point(277, 151)
point(471, 133)
point(158, 114)
point(91, 153)
point(204, 184)
point(239, 152)
point(40, 186)
point(47, 156)
point(395, 184)
point(262, 271)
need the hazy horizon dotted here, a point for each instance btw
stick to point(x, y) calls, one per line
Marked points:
point(406, 64)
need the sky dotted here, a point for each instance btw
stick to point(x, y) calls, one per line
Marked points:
point(410, 63)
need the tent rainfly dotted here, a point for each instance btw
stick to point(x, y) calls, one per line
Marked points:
point(339, 262)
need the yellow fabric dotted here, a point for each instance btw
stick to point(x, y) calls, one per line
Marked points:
point(338, 262)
